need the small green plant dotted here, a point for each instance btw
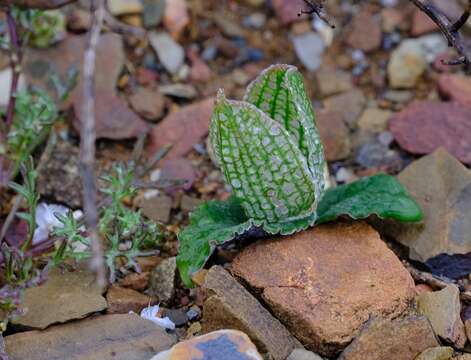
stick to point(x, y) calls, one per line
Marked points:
point(269, 150)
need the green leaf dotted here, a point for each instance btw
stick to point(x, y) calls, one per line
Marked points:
point(212, 224)
point(262, 163)
point(381, 195)
point(279, 91)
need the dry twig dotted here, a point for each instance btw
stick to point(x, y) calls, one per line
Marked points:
point(87, 141)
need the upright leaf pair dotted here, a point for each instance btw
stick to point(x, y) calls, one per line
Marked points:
point(270, 152)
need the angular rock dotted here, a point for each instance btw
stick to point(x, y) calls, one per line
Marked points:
point(136, 281)
point(364, 33)
point(350, 104)
point(124, 7)
point(189, 203)
point(442, 187)
point(170, 53)
point(107, 337)
point(162, 281)
point(122, 301)
point(63, 297)
point(334, 134)
point(436, 353)
point(223, 344)
point(374, 120)
point(309, 48)
point(343, 269)
point(157, 208)
point(399, 339)
point(183, 128)
point(456, 88)
point(406, 66)
point(443, 309)
point(229, 305)
point(424, 126)
point(302, 354)
point(149, 104)
point(331, 82)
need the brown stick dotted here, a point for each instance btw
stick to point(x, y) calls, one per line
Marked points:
point(16, 56)
point(87, 141)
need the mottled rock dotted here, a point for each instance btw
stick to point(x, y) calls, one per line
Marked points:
point(303, 354)
point(309, 48)
point(107, 337)
point(442, 187)
point(443, 309)
point(334, 134)
point(148, 103)
point(343, 269)
point(229, 305)
point(170, 53)
point(399, 339)
point(183, 128)
point(455, 87)
point(436, 353)
point(424, 126)
point(406, 66)
point(223, 344)
point(122, 300)
point(364, 33)
point(350, 104)
point(181, 91)
point(162, 281)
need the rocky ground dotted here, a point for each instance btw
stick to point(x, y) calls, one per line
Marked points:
point(347, 290)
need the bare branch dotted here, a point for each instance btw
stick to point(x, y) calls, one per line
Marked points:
point(16, 56)
point(87, 141)
point(315, 7)
point(35, 4)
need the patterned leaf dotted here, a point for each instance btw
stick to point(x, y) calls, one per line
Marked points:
point(279, 91)
point(262, 163)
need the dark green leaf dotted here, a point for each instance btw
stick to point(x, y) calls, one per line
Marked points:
point(212, 224)
point(381, 195)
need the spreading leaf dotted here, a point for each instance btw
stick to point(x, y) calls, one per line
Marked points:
point(381, 195)
point(262, 163)
point(212, 224)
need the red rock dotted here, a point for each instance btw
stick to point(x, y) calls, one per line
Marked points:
point(421, 23)
point(183, 128)
point(422, 288)
point(334, 134)
point(123, 300)
point(148, 103)
point(424, 126)
point(364, 33)
point(325, 283)
point(200, 71)
point(176, 17)
point(287, 10)
point(456, 88)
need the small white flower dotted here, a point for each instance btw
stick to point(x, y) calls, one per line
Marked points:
point(46, 221)
point(150, 313)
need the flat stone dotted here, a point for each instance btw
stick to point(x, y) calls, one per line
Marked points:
point(124, 7)
point(334, 134)
point(122, 300)
point(399, 339)
point(163, 279)
point(436, 353)
point(63, 297)
point(303, 354)
point(222, 344)
point(331, 82)
point(406, 66)
point(229, 305)
point(170, 53)
point(148, 103)
point(455, 87)
point(106, 337)
point(374, 120)
point(183, 128)
point(189, 203)
point(157, 208)
point(343, 269)
point(364, 33)
point(443, 309)
point(424, 126)
point(136, 281)
point(309, 48)
point(442, 187)
point(350, 104)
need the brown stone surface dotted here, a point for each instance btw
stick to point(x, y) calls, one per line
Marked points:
point(122, 300)
point(136, 281)
point(330, 81)
point(443, 309)
point(399, 339)
point(229, 305)
point(350, 104)
point(107, 337)
point(436, 353)
point(223, 344)
point(424, 126)
point(364, 33)
point(442, 187)
point(148, 103)
point(64, 296)
point(455, 87)
point(343, 269)
point(334, 134)
point(183, 128)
